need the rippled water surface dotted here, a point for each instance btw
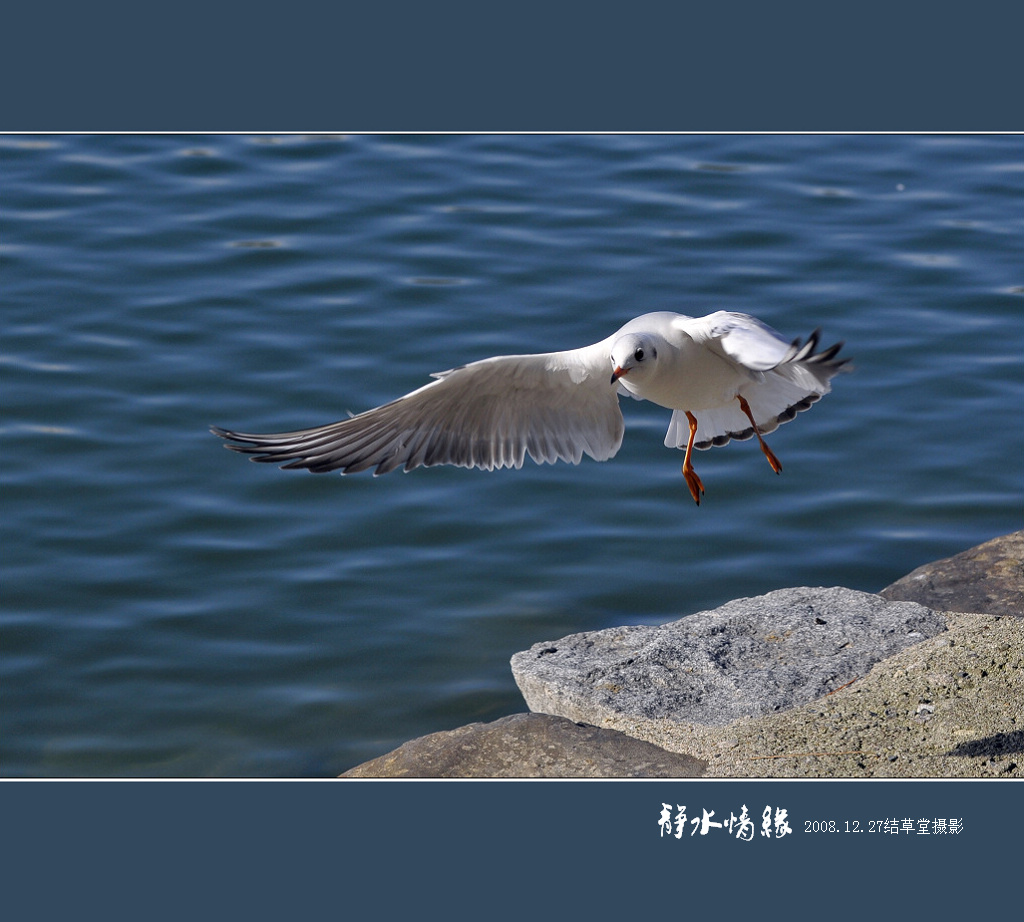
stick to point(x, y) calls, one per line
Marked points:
point(169, 609)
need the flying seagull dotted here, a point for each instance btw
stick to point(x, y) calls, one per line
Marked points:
point(724, 376)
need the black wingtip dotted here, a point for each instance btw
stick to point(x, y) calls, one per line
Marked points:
point(803, 352)
point(229, 437)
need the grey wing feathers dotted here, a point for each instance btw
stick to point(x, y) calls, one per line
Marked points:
point(489, 414)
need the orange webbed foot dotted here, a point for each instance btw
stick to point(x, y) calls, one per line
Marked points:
point(693, 482)
point(772, 460)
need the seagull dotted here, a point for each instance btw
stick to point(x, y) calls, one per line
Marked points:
point(724, 376)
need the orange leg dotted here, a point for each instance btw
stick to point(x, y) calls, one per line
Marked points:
point(692, 480)
point(768, 453)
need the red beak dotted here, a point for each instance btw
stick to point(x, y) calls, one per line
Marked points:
point(618, 373)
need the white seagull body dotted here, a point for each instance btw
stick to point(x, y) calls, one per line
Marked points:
point(724, 376)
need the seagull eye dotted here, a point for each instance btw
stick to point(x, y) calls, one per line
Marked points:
point(639, 355)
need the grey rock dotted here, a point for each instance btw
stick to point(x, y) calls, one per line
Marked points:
point(529, 746)
point(749, 657)
point(987, 579)
point(948, 707)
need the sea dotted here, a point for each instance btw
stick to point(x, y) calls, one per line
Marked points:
point(168, 609)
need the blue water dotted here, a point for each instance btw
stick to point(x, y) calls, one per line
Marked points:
point(170, 609)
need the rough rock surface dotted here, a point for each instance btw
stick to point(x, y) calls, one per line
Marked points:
point(747, 658)
point(988, 578)
point(529, 746)
point(948, 707)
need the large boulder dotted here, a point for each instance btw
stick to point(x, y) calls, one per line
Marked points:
point(529, 746)
point(750, 657)
point(988, 579)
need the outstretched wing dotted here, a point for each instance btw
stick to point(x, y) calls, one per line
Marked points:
point(785, 378)
point(489, 414)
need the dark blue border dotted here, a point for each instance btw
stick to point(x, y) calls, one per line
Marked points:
point(294, 850)
point(316, 65)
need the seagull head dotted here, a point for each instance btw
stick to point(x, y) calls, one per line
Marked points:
point(633, 354)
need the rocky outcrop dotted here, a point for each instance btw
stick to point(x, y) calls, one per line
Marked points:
point(814, 683)
point(529, 746)
point(749, 657)
point(988, 578)
point(948, 707)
